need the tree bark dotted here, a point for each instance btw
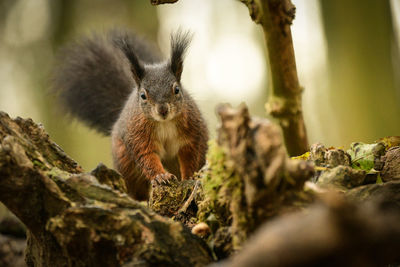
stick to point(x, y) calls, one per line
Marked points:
point(73, 219)
point(334, 232)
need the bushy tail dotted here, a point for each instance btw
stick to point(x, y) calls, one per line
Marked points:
point(93, 78)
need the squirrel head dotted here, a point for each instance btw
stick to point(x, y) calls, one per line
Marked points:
point(159, 92)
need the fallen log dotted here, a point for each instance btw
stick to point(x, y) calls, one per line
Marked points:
point(82, 219)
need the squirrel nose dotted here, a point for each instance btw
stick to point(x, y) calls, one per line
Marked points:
point(162, 110)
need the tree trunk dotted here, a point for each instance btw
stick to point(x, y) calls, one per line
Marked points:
point(363, 66)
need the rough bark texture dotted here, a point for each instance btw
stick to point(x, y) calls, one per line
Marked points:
point(284, 103)
point(267, 182)
point(333, 233)
point(73, 219)
point(391, 164)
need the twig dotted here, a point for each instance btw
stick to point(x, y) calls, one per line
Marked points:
point(159, 2)
point(284, 103)
point(190, 199)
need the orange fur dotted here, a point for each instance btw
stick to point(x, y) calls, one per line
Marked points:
point(192, 155)
point(137, 154)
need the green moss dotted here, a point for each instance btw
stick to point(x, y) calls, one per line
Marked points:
point(58, 174)
point(222, 187)
point(167, 200)
point(37, 163)
point(212, 183)
point(379, 179)
point(84, 187)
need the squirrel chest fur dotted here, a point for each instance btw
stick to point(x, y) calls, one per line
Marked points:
point(169, 141)
point(119, 85)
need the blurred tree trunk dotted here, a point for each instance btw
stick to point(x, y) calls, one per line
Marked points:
point(362, 53)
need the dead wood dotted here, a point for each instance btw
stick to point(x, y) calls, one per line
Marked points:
point(390, 164)
point(332, 233)
point(73, 219)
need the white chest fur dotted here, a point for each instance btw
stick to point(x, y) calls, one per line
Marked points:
point(169, 141)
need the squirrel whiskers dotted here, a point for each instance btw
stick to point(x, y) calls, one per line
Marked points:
point(119, 85)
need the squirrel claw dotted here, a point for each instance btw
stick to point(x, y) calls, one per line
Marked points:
point(163, 179)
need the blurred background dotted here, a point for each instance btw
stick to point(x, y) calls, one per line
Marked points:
point(347, 55)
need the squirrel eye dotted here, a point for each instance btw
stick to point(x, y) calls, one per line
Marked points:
point(143, 96)
point(176, 90)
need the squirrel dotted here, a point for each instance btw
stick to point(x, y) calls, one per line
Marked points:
point(118, 84)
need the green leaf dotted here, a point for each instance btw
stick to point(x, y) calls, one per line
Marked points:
point(363, 155)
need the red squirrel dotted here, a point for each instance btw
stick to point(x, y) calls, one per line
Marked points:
point(119, 85)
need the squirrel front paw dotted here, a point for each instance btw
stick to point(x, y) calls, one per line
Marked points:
point(163, 179)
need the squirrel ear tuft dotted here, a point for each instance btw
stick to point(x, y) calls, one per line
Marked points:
point(179, 44)
point(121, 40)
point(136, 68)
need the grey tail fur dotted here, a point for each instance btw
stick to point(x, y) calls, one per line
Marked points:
point(93, 78)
